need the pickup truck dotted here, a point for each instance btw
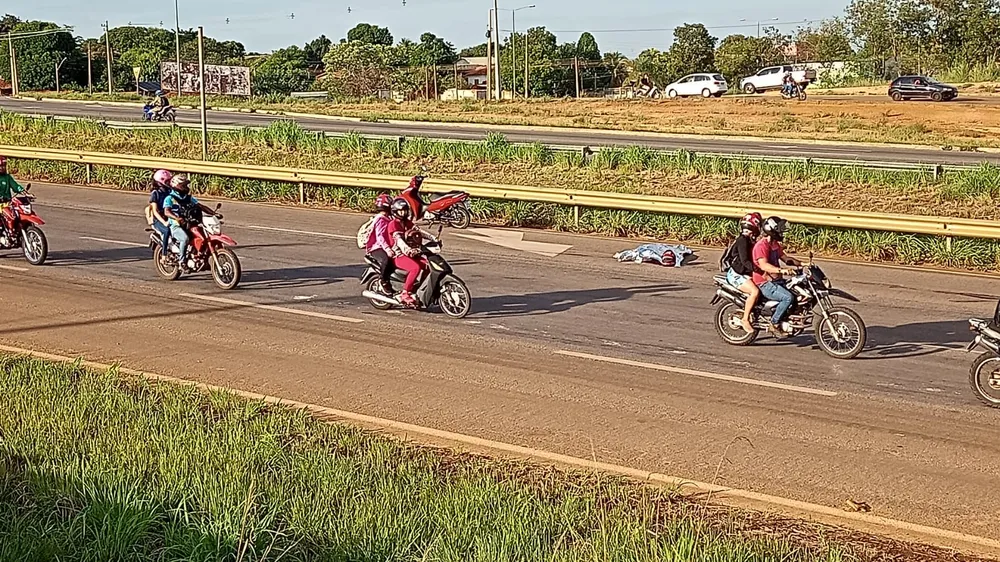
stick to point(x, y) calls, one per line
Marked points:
point(771, 77)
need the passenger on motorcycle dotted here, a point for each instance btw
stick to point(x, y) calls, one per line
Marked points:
point(788, 84)
point(408, 238)
point(154, 211)
point(8, 188)
point(178, 206)
point(380, 244)
point(768, 254)
point(159, 104)
point(741, 271)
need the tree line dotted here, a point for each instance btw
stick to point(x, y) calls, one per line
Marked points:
point(878, 39)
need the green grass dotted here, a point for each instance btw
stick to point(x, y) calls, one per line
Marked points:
point(97, 466)
point(631, 170)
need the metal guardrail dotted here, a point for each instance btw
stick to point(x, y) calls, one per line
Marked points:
point(934, 169)
point(939, 226)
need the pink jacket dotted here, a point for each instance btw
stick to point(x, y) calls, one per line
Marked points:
point(379, 238)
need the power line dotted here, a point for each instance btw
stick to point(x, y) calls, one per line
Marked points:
point(31, 34)
point(669, 29)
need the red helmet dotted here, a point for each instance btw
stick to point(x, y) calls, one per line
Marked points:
point(383, 202)
point(751, 222)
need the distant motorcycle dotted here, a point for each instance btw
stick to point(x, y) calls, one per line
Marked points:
point(839, 331)
point(793, 91)
point(451, 208)
point(22, 230)
point(984, 376)
point(169, 114)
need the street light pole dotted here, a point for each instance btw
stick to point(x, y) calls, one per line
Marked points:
point(513, 46)
point(177, 44)
point(496, 49)
point(59, 66)
point(201, 73)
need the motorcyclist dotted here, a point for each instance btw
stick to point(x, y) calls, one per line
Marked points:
point(380, 244)
point(768, 254)
point(8, 188)
point(788, 84)
point(154, 211)
point(159, 104)
point(408, 238)
point(742, 268)
point(178, 207)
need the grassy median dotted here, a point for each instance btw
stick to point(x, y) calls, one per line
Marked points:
point(638, 170)
point(98, 466)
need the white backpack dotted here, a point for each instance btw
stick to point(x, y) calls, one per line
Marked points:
point(365, 232)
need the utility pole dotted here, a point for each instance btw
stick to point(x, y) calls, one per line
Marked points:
point(527, 93)
point(435, 67)
point(201, 86)
point(90, 70)
point(59, 66)
point(455, 68)
point(107, 43)
point(513, 54)
point(576, 67)
point(16, 78)
point(489, 60)
point(496, 48)
point(10, 57)
point(177, 44)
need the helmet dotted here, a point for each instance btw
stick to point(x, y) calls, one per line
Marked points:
point(751, 222)
point(401, 208)
point(180, 183)
point(162, 177)
point(383, 203)
point(158, 93)
point(775, 227)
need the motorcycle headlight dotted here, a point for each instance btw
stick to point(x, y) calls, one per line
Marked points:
point(26, 208)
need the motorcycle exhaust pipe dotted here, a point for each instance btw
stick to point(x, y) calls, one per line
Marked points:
point(379, 297)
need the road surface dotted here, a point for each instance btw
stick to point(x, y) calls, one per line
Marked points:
point(537, 363)
point(773, 147)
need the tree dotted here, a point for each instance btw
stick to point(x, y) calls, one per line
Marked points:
point(655, 64)
point(7, 23)
point(618, 66)
point(356, 69)
point(587, 49)
point(545, 74)
point(435, 50)
point(37, 56)
point(693, 50)
point(828, 43)
point(738, 56)
point(316, 49)
point(370, 34)
point(474, 51)
point(282, 72)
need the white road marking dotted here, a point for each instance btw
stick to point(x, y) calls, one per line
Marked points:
point(703, 374)
point(120, 242)
point(306, 232)
point(273, 308)
point(13, 268)
point(514, 240)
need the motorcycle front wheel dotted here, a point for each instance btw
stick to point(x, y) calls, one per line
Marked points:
point(34, 245)
point(984, 378)
point(727, 324)
point(171, 271)
point(226, 269)
point(454, 298)
point(843, 336)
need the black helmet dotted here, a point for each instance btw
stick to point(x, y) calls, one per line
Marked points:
point(775, 227)
point(401, 206)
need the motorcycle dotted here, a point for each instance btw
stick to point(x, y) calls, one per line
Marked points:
point(169, 114)
point(438, 285)
point(209, 247)
point(793, 91)
point(984, 376)
point(451, 208)
point(21, 224)
point(839, 331)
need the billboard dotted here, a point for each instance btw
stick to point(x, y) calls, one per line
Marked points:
point(225, 80)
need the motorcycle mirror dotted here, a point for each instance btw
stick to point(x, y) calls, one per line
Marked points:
point(440, 229)
point(219, 206)
point(27, 187)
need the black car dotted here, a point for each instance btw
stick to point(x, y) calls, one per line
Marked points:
point(921, 87)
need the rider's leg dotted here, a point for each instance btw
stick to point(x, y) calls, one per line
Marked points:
point(182, 238)
point(777, 292)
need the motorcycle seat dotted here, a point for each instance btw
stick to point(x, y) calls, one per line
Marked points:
point(445, 195)
point(371, 261)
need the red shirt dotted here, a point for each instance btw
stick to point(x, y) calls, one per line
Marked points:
point(402, 226)
point(770, 251)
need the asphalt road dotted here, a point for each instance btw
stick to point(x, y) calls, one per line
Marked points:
point(897, 427)
point(860, 152)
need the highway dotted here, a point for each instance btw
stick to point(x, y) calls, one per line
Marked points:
point(570, 137)
point(539, 362)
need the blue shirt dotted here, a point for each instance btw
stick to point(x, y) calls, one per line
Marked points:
point(175, 202)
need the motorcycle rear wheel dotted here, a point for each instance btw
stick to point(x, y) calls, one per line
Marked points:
point(984, 378)
point(842, 319)
point(226, 269)
point(460, 218)
point(170, 272)
point(375, 286)
point(727, 324)
point(34, 245)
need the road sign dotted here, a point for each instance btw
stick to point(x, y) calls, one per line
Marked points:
point(136, 70)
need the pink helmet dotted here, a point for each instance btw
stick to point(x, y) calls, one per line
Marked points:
point(162, 177)
point(383, 202)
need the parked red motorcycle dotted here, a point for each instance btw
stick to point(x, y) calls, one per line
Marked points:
point(22, 230)
point(209, 248)
point(451, 208)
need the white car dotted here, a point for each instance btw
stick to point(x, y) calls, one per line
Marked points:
point(705, 85)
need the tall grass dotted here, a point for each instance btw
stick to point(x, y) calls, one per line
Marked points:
point(94, 466)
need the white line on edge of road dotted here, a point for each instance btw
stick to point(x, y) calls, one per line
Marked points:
point(681, 371)
point(274, 308)
point(306, 232)
point(13, 268)
point(120, 242)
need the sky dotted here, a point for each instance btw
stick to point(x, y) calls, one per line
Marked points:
point(264, 25)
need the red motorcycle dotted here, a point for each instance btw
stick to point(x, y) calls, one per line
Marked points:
point(451, 208)
point(209, 247)
point(21, 229)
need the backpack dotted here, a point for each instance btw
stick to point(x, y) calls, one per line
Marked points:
point(365, 232)
point(729, 257)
